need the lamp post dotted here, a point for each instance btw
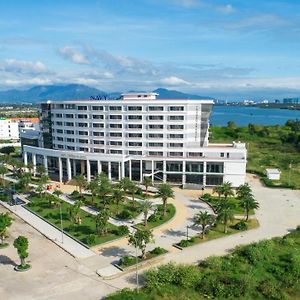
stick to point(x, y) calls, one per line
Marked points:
point(61, 224)
point(187, 232)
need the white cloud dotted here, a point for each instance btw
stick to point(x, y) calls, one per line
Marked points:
point(22, 66)
point(227, 9)
point(173, 81)
point(73, 55)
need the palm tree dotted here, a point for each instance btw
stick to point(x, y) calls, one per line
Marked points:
point(102, 221)
point(57, 193)
point(39, 189)
point(140, 239)
point(125, 183)
point(146, 206)
point(204, 219)
point(227, 190)
point(218, 190)
point(133, 189)
point(93, 186)
point(118, 196)
point(3, 171)
point(74, 212)
point(225, 212)
point(164, 192)
point(30, 167)
point(81, 183)
point(41, 170)
point(243, 191)
point(248, 203)
point(147, 181)
point(104, 189)
point(25, 180)
point(5, 222)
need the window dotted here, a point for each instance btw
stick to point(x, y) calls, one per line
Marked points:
point(135, 117)
point(222, 154)
point(227, 155)
point(173, 127)
point(115, 143)
point(176, 118)
point(152, 118)
point(115, 108)
point(98, 142)
point(155, 144)
point(115, 134)
point(175, 136)
point(82, 124)
point(135, 126)
point(115, 125)
point(69, 106)
point(84, 149)
point(59, 131)
point(80, 107)
point(98, 150)
point(155, 135)
point(97, 107)
point(59, 123)
point(57, 106)
point(70, 124)
point(80, 116)
point(135, 108)
point(194, 167)
point(214, 180)
point(176, 154)
point(115, 117)
point(98, 117)
point(115, 151)
point(156, 126)
point(174, 166)
point(97, 133)
point(155, 108)
point(69, 116)
point(82, 141)
point(155, 153)
point(176, 108)
point(135, 135)
point(135, 152)
point(60, 146)
point(69, 131)
point(176, 145)
point(214, 167)
point(98, 125)
point(58, 115)
point(70, 140)
point(70, 148)
point(195, 154)
point(59, 138)
point(135, 144)
point(83, 132)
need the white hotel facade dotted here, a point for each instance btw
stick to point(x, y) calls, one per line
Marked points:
point(135, 136)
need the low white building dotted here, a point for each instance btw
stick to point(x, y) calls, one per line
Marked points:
point(136, 136)
point(273, 174)
point(9, 129)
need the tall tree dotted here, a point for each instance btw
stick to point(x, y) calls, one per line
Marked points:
point(140, 239)
point(243, 191)
point(93, 186)
point(218, 190)
point(132, 190)
point(146, 206)
point(118, 196)
point(74, 212)
point(204, 219)
point(3, 171)
point(39, 189)
point(5, 222)
point(25, 179)
point(41, 170)
point(227, 190)
point(147, 181)
point(225, 212)
point(102, 221)
point(125, 183)
point(248, 203)
point(164, 192)
point(81, 183)
point(21, 244)
point(104, 189)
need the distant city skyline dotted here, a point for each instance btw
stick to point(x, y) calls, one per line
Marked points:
point(223, 49)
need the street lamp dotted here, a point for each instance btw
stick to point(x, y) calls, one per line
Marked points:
point(136, 263)
point(61, 224)
point(187, 232)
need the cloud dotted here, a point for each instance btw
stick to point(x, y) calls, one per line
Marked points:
point(73, 55)
point(173, 81)
point(22, 66)
point(226, 9)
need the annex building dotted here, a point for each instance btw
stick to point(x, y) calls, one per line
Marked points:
point(135, 136)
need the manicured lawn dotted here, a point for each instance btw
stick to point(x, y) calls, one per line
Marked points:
point(154, 221)
point(265, 151)
point(218, 232)
point(133, 209)
point(81, 232)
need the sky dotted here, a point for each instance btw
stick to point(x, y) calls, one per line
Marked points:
point(225, 49)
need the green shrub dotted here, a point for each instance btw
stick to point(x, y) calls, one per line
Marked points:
point(91, 239)
point(192, 239)
point(124, 215)
point(75, 194)
point(270, 289)
point(126, 261)
point(158, 251)
point(242, 225)
point(183, 243)
point(154, 217)
point(186, 276)
point(121, 230)
point(206, 197)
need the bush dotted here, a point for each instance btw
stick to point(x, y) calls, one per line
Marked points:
point(124, 215)
point(121, 230)
point(206, 197)
point(91, 239)
point(126, 261)
point(75, 194)
point(270, 289)
point(242, 225)
point(158, 251)
point(183, 243)
point(154, 217)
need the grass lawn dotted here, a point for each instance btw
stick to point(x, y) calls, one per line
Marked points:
point(265, 151)
point(218, 232)
point(158, 219)
point(81, 232)
point(133, 209)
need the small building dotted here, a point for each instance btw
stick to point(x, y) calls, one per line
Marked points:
point(273, 174)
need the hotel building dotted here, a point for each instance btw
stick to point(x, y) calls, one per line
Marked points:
point(135, 136)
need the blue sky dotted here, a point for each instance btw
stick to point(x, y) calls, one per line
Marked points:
point(226, 49)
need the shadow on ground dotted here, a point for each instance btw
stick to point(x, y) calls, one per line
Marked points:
point(5, 260)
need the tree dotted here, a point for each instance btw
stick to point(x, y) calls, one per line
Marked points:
point(39, 189)
point(3, 171)
point(218, 190)
point(225, 212)
point(25, 180)
point(104, 189)
point(227, 190)
point(81, 183)
point(41, 170)
point(30, 167)
point(231, 125)
point(204, 219)
point(57, 201)
point(164, 192)
point(8, 150)
point(21, 244)
point(133, 189)
point(5, 222)
point(102, 221)
point(146, 206)
point(57, 193)
point(74, 212)
point(125, 183)
point(243, 191)
point(147, 181)
point(118, 196)
point(93, 186)
point(248, 203)
point(140, 239)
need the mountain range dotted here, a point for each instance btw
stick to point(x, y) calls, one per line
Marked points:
point(77, 91)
